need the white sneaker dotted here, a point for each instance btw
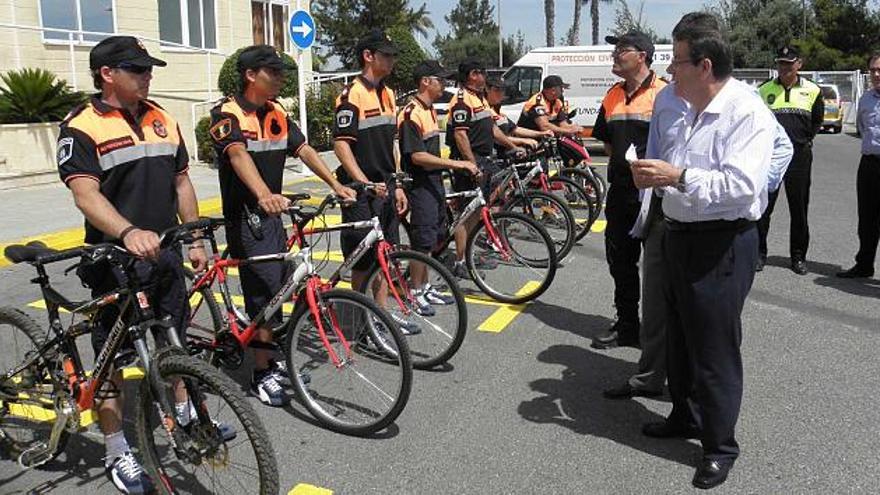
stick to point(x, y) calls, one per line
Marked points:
point(265, 387)
point(435, 297)
point(127, 475)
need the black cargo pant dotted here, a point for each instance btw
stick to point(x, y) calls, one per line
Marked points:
point(623, 252)
point(797, 190)
point(868, 195)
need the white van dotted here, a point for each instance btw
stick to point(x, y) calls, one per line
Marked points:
point(586, 68)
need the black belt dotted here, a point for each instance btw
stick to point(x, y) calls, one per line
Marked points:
point(709, 226)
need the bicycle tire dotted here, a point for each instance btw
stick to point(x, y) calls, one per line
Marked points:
point(562, 220)
point(425, 354)
point(502, 222)
point(13, 445)
point(305, 353)
point(172, 362)
point(592, 186)
point(576, 198)
point(204, 323)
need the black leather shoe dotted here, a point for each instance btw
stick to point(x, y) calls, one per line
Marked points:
point(613, 339)
point(665, 429)
point(711, 473)
point(626, 391)
point(759, 265)
point(857, 272)
point(799, 267)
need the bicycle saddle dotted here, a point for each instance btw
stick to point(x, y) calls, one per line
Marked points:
point(18, 253)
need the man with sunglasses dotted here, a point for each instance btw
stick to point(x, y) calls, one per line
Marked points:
point(547, 110)
point(124, 160)
point(518, 135)
point(253, 135)
point(622, 123)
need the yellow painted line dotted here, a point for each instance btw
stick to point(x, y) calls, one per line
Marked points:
point(599, 226)
point(504, 315)
point(306, 489)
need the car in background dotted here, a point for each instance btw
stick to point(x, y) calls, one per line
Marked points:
point(833, 120)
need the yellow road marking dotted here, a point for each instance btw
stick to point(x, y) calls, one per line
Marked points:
point(504, 315)
point(599, 226)
point(306, 489)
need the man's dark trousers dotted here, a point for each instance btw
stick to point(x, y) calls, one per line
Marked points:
point(797, 191)
point(709, 276)
point(868, 195)
point(623, 252)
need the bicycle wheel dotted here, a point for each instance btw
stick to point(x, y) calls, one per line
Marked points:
point(591, 185)
point(441, 333)
point(580, 204)
point(523, 261)
point(26, 425)
point(224, 447)
point(552, 213)
point(204, 323)
point(349, 382)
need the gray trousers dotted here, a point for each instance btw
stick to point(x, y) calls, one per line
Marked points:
point(652, 336)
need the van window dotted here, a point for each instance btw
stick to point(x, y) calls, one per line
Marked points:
point(520, 83)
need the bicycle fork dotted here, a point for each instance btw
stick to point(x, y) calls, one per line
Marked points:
point(317, 309)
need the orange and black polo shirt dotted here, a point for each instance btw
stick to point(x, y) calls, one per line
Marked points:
point(268, 134)
point(538, 106)
point(469, 111)
point(418, 132)
point(134, 158)
point(623, 121)
point(366, 117)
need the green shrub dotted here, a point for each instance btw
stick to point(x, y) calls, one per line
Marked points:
point(411, 54)
point(229, 80)
point(321, 104)
point(35, 95)
point(204, 142)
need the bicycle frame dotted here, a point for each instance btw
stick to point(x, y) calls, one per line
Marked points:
point(478, 203)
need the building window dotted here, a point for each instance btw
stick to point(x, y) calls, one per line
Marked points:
point(188, 22)
point(77, 15)
point(269, 21)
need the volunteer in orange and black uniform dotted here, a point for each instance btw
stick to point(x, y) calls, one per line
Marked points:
point(518, 135)
point(623, 121)
point(471, 134)
point(364, 131)
point(253, 135)
point(420, 157)
point(124, 160)
point(547, 109)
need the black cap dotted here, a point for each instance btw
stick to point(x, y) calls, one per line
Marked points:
point(376, 41)
point(494, 82)
point(635, 39)
point(428, 68)
point(787, 54)
point(257, 56)
point(469, 64)
point(117, 50)
point(554, 82)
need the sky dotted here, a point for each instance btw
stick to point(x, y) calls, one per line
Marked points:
point(528, 16)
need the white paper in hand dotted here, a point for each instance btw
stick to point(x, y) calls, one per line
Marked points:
point(631, 155)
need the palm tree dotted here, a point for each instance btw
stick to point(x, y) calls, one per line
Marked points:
point(574, 34)
point(594, 17)
point(549, 18)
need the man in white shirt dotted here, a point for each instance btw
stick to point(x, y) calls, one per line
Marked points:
point(714, 189)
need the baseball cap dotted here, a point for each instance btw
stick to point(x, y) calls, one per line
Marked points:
point(635, 39)
point(469, 64)
point(376, 41)
point(257, 56)
point(554, 82)
point(428, 68)
point(494, 82)
point(787, 54)
point(117, 50)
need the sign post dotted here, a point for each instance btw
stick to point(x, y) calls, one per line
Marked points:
point(302, 34)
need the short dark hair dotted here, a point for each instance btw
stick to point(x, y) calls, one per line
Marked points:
point(874, 56)
point(705, 43)
point(98, 80)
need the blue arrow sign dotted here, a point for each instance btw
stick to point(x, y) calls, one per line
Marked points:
point(302, 29)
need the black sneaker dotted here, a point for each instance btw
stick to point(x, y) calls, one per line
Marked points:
point(127, 475)
point(856, 272)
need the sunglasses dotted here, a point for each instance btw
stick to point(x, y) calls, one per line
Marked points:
point(134, 69)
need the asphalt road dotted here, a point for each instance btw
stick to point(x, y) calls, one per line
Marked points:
point(521, 411)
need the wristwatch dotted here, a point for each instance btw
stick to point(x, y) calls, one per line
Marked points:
point(681, 185)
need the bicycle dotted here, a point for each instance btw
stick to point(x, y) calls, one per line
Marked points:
point(48, 390)
point(521, 247)
point(570, 159)
point(443, 329)
point(347, 381)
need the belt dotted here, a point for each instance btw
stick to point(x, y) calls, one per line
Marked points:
point(709, 226)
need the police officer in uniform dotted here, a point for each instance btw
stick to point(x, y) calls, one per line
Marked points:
point(623, 122)
point(124, 160)
point(547, 110)
point(797, 104)
point(252, 136)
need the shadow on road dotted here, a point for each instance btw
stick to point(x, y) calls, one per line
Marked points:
point(575, 401)
point(562, 318)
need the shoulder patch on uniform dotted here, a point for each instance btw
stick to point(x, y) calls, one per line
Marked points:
point(771, 98)
point(221, 129)
point(65, 150)
point(159, 128)
point(344, 118)
point(460, 116)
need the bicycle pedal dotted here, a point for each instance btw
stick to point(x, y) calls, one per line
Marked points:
point(35, 456)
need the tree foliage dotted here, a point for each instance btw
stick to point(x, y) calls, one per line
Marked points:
point(410, 55)
point(474, 33)
point(35, 95)
point(341, 23)
point(229, 79)
point(626, 20)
